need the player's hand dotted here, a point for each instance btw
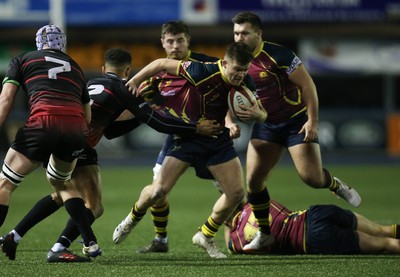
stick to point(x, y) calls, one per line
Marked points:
point(254, 113)
point(208, 128)
point(132, 87)
point(234, 130)
point(310, 131)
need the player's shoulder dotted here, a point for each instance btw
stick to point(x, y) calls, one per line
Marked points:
point(199, 57)
point(281, 54)
point(106, 80)
point(275, 48)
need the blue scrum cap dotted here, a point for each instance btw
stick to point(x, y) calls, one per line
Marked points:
point(52, 36)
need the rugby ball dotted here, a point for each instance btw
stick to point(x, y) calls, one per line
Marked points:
point(240, 96)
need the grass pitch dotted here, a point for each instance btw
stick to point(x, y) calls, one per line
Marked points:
point(190, 204)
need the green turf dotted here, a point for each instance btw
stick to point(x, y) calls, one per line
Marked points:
point(191, 202)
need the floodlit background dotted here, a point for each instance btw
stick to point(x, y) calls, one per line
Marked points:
point(350, 47)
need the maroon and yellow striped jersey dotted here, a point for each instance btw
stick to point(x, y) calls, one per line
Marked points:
point(270, 70)
point(287, 227)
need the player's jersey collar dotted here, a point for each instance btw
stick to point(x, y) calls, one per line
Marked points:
point(187, 57)
point(258, 50)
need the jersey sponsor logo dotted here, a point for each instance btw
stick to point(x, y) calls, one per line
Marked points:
point(176, 148)
point(142, 105)
point(295, 63)
point(76, 153)
point(168, 93)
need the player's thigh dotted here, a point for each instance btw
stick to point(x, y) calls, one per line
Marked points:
point(229, 175)
point(307, 160)
point(171, 170)
point(261, 157)
point(19, 163)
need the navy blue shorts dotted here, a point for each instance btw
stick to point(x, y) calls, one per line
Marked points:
point(331, 230)
point(164, 150)
point(200, 167)
point(202, 152)
point(285, 133)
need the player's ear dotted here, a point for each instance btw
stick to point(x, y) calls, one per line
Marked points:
point(127, 71)
point(103, 70)
point(259, 33)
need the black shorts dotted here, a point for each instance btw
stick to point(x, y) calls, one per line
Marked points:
point(63, 136)
point(331, 230)
point(204, 151)
point(87, 157)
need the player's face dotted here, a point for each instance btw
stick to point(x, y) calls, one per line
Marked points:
point(246, 33)
point(176, 46)
point(234, 71)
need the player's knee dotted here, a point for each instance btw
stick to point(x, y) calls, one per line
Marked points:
point(236, 196)
point(94, 204)
point(57, 198)
point(158, 193)
point(254, 184)
point(98, 211)
point(156, 170)
point(313, 181)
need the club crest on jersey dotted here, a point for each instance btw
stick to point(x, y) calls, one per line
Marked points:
point(185, 64)
point(263, 75)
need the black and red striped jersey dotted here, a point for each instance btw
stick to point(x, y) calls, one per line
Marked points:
point(110, 97)
point(53, 81)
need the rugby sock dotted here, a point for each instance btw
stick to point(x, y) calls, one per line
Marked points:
point(76, 209)
point(3, 213)
point(71, 231)
point(210, 228)
point(330, 183)
point(159, 215)
point(396, 231)
point(42, 209)
point(137, 214)
point(259, 203)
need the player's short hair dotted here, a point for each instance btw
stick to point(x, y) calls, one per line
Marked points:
point(117, 57)
point(174, 28)
point(52, 36)
point(240, 52)
point(248, 17)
